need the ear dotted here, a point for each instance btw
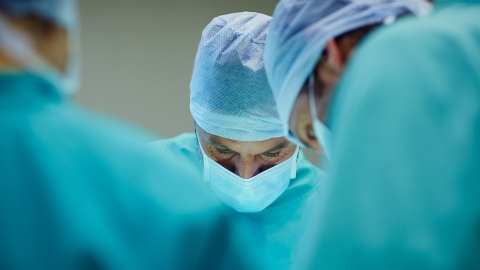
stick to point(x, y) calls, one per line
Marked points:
point(334, 56)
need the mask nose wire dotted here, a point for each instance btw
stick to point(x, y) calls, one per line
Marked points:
point(293, 172)
point(206, 166)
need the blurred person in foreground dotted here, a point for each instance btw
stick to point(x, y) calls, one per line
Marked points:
point(76, 189)
point(405, 174)
point(238, 149)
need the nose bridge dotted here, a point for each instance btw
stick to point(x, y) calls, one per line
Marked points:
point(246, 167)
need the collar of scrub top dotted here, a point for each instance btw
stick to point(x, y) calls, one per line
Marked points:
point(289, 134)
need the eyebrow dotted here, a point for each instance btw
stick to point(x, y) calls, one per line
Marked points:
point(216, 143)
point(278, 147)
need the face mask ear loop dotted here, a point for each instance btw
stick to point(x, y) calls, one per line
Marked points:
point(206, 167)
point(206, 170)
point(311, 98)
point(293, 170)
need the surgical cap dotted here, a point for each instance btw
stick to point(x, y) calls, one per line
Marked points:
point(61, 12)
point(230, 96)
point(300, 29)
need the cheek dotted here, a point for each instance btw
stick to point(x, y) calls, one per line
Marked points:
point(324, 105)
point(302, 123)
point(267, 163)
point(295, 114)
point(226, 162)
point(289, 153)
point(282, 157)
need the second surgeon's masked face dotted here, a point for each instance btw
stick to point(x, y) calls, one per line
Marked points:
point(308, 117)
point(307, 122)
point(247, 176)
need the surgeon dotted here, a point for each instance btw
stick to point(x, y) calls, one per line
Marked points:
point(309, 46)
point(238, 149)
point(76, 189)
point(406, 177)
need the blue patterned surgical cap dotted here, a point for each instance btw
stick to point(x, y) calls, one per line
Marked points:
point(230, 96)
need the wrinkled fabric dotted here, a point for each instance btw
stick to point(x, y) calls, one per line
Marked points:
point(406, 174)
point(300, 29)
point(229, 92)
point(77, 191)
point(280, 225)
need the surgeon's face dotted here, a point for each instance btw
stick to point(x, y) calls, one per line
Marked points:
point(245, 159)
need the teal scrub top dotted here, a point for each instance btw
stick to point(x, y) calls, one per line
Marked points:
point(77, 191)
point(281, 224)
point(405, 186)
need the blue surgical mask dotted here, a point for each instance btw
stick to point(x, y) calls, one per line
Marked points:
point(322, 133)
point(20, 47)
point(252, 194)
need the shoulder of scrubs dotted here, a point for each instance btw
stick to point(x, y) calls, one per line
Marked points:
point(78, 191)
point(182, 148)
point(405, 178)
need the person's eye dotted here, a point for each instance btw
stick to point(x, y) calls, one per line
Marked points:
point(272, 154)
point(223, 150)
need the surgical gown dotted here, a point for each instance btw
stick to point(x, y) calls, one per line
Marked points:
point(77, 191)
point(405, 187)
point(281, 224)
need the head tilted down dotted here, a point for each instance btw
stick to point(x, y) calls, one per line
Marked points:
point(247, 160)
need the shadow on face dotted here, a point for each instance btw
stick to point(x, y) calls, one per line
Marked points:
point(300, 123)
point(245, 159)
